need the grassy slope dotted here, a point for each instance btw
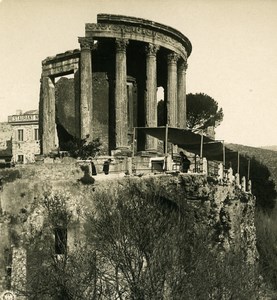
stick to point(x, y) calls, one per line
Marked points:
point(274, 148)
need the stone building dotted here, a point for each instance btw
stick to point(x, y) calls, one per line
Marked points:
point(25, 136)
point(115, 75)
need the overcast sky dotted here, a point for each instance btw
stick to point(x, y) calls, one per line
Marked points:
point(233, 60)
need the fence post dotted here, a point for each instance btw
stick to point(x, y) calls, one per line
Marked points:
point(243, 184)
point(204, 165)
point(220, 171)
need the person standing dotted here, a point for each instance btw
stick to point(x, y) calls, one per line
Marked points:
point(106, 166)
point(93, 168)
point(184, 163)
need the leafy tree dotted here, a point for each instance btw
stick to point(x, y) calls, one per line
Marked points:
point(161, 113)
point(202, 111)
point(263, 185)
point(80, 148)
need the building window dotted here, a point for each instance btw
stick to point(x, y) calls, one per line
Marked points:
point(20, 159)
point(20, 135)
point(60, 240)
point(36, 134)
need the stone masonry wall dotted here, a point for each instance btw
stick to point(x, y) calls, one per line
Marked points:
point(100, 123)
point(65, 104)
point(5, 134)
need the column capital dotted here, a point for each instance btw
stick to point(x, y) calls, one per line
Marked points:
point(121, 45)
point(86, 43)
point(172, 58)
point(151, 49)
point(183, 65)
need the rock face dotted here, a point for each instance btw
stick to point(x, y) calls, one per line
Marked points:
point(224, 210)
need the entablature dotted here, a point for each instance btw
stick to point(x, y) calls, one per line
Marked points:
point(61, 64)
point(146, 24)
point(136, 34)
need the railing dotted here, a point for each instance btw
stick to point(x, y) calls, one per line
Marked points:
point(167, 164)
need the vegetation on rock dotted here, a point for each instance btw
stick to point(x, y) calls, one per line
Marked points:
point(140, 240)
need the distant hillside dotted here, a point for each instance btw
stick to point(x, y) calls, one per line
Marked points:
point(264, 156)
point(274, 148)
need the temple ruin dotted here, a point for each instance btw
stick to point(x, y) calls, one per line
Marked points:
point(67, 236)
point(115, 75)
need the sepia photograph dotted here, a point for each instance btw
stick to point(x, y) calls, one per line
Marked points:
point(138, 150)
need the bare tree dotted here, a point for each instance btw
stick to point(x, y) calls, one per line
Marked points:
point(139, 242)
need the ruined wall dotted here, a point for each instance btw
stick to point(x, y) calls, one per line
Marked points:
point(5, 134)
point(223, 208)
point(100, 109)
point(66, 91)
point(65, 104)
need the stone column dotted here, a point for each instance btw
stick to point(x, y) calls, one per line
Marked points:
point(48, 114)
point(151, 95)
point(172, 59)
point(86, 45)
point(182, 106)
point(121, 105)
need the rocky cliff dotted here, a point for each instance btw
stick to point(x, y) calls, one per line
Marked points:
point(220, 210)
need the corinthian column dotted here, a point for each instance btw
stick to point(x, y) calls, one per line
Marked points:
point(151, 94)
point(172, 89)
point(86, 88)
point(182, 106)
point(121, 107)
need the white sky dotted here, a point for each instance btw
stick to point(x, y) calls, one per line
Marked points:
point(233, 60)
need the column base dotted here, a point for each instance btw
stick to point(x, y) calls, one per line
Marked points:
point(152, 152)
point(149, 153)
point(122, 151)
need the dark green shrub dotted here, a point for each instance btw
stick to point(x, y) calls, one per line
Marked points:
point(80, 148)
